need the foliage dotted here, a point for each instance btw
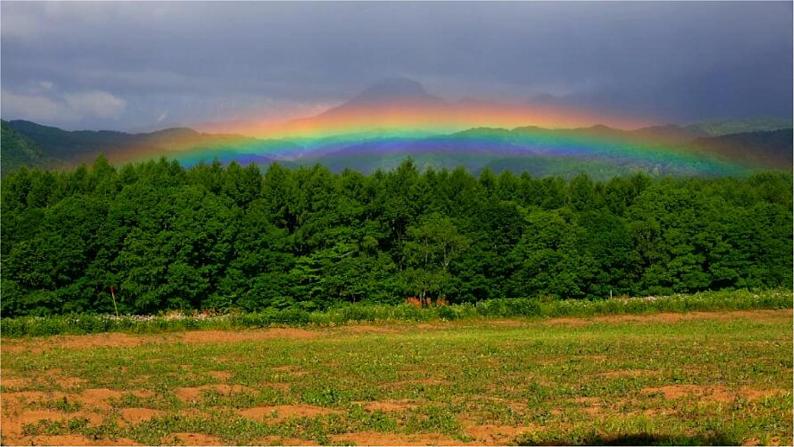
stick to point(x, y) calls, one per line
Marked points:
point(17, 150)
point(157, 236)
point(363, 312)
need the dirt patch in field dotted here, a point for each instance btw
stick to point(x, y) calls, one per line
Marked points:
point(223, 376)
point(368, 329)
point(13, 424)
point(137, 415)
point(214, 336)
point(122, 340)
point(438, 325)
point(277, 440)
point(756, 394)
point(93, 341)
point(189, 394)
point(575, 322)
point(194, 393)
point(143, 394)
point(279, 413)
point(377, 438)
point(13, 382)
point(99, 397)
point(508, 323)
point(290, 370)
point(412, 382)
point(624, 373)
point(193, 439)
point(390, 405)
point(763, 315)
point(590, 405)
point(71, 440)
point(70, 382)
point(16, 403)
point(672, 392)
point(281, 386)
point(494, 434)
point(772, 441)
point(711, 393)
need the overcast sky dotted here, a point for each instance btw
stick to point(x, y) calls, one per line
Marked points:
point(136, 66)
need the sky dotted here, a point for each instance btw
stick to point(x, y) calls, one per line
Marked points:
point(150, 65)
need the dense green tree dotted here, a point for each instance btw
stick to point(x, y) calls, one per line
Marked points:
point(159, 236)
point(431, 247)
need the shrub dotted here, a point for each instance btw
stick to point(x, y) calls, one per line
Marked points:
point(495, 308)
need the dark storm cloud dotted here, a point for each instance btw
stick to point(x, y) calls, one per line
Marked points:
point(145, 65)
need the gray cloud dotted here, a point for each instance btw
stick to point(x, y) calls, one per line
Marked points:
point(145, 65)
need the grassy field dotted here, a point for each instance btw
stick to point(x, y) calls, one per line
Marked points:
point(668, 378)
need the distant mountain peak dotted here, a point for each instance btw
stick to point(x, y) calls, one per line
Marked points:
point(392, 89)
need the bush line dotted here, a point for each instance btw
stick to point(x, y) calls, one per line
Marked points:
point(362, 312)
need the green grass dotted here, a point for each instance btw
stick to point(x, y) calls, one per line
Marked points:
point(719, 378)
point(353, 313)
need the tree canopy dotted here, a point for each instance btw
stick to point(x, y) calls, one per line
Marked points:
point(223, 237)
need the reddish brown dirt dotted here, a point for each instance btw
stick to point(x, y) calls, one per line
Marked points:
point(290, 370)
point(377, 438)
point(494, 434)
point(213, 336)
point(590, 405)
point(418, 381)
point(14, 421)
point(13, 382)
point(137, 415)
point(144, 394)
point(628, 373)
point(371, 329)
point(773, 441)
point(671, 317)
point(122, 340)
point(279, 413)
point(222, 376)
point(193, 394)
point(281, 386)
point(390, 406)
point(508, 323)
point(107, 340)
point(99, 397)
point(276, 440)
point(711, 393)
point(70, 382)
point(193, 439)
point(18, 397)
point(72, 440)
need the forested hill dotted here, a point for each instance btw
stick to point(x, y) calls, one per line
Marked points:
point(162, 237)
point(18, 150)
point(600, 151)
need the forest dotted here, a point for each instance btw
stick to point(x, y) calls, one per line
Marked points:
point(155, 236)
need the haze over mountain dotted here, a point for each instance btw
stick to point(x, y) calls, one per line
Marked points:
point(390, 90)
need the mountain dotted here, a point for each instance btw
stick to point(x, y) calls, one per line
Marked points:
point(726, 127)
point(398, 118)
point(18, 150)
point(599, 150)
point(767, 149)
point(391, 90)
point(58, 147)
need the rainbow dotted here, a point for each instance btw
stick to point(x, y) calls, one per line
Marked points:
point(471, 133)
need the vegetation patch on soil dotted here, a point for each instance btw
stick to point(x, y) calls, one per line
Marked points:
point(684, 378)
